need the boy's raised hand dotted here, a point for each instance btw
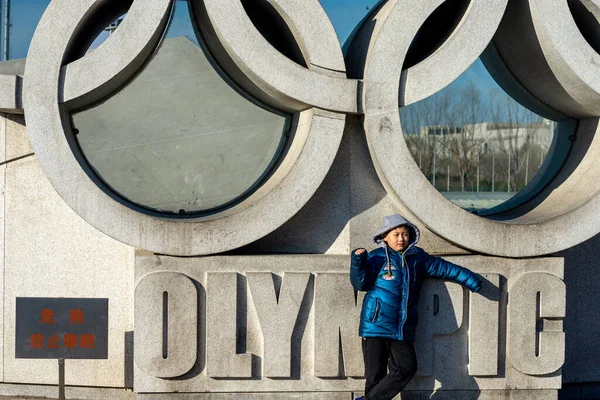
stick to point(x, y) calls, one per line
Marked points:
point(358, 252)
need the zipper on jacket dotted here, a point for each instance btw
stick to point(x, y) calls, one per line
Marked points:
point(376, 310)
point(405, 264)
point(405, 317)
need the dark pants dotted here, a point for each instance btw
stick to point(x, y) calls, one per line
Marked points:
point(381, 354)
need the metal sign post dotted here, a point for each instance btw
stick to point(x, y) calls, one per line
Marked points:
point(61, 379)
point(61, 328)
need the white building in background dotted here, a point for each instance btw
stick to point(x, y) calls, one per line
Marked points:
point(494, 136)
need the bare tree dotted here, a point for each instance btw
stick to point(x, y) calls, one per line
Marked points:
point(462, 135)
point(516, 131)
point(463, 140)
point(419, 122)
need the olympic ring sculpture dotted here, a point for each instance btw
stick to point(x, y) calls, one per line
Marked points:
point(320, 95)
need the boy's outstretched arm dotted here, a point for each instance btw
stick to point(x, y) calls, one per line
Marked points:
point(440, 268)
point(360, 275)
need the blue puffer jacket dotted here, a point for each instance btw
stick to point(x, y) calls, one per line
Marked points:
point(389, 308)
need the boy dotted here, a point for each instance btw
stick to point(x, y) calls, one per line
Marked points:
point(393, 275)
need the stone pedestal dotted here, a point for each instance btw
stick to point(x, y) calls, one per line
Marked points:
point(244, 327)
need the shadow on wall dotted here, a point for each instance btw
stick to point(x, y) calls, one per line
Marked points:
point(350, 187)
point(200, 364)
point(442, 373)
point(581, 372)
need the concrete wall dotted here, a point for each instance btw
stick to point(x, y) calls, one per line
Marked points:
point(297, 335)
point(49, 251)
point(296, 328)
point(35, 214)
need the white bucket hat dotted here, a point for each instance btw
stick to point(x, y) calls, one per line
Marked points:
point(392, 222)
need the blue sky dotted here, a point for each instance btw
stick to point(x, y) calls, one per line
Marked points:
point(25, 14)
point(346, 14)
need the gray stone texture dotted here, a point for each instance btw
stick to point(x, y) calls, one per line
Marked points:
point(17, 142)
point(352, 201)
point(13, 67)
point(423, 201)
point(3, 132)
point(10, 95)
point(523, 236)
point(249, 396)
point(276, 76)
point(479, 395)
point(14, 145)
point(337, 315)
point(225, 331)
point(324, 341)
point(172, 297)
point(470, 37)
point(561, 73)
point(102, 71)
point(484, 319)
point(525, 308)
point(10, 391)
point(278, 310)
point(441, 306)
point(316, 139)
point(415, 395)
point(313, 31)
point(51, 252)
point(574, 187)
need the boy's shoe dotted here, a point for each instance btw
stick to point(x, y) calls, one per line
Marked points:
point(360, 398)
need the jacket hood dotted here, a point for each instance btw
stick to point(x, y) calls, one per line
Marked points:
point(394, 221)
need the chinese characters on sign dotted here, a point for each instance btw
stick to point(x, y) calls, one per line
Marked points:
point(69, 340)
point(62, 328)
